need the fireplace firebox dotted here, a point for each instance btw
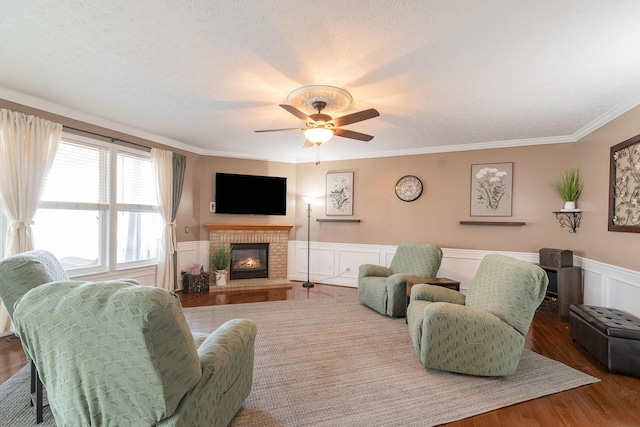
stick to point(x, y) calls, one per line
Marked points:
point(249, 261)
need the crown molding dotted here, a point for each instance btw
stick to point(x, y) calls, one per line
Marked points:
point(626, 105)
point(38, 103)
point(52, 107)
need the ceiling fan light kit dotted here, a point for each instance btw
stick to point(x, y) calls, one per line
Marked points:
point(318, 135)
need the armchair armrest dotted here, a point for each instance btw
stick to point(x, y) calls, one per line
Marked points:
point(229, 348)
point(226, 343)
point(226, 358)
point(433, 293)
point(373, 270)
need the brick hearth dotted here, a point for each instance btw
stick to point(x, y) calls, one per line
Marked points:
point(276, 235)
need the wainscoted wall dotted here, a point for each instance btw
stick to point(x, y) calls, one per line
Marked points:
point(190, 253)
point(337, 263)
point(610, 286)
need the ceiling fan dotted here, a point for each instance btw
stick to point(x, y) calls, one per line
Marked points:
point(321, 127)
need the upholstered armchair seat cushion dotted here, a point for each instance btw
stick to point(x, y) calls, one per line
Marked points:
point(115, 353)
point(483, 332)
point(384, 289)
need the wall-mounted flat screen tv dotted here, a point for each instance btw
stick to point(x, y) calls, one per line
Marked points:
point(250, 194)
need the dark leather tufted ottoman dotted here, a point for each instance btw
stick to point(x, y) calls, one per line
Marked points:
point(611, 336)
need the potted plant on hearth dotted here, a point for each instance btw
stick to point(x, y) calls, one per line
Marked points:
point(569, 188)
point(220, 258)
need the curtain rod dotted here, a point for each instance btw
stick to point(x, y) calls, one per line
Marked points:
point(108, 137)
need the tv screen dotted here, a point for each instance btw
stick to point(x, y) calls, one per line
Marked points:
point(250, 194)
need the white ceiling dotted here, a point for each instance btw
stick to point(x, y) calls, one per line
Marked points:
point(445, 75)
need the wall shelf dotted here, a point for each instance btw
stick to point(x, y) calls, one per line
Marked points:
point(569, 218)
point(336, 220)
point(498, 223)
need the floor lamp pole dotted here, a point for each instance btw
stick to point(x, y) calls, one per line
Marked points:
point(308, 284)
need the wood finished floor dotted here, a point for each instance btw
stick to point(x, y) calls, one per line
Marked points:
point(614, 401)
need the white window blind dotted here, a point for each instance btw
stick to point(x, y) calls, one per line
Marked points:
point(98, 208)
point(79, 174)
point(72, 219)
point(139, 223)
point(136, 183)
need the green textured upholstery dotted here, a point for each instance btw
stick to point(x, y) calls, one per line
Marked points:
point(22, 272)
point(384, 289)
point(482, 333)
point(119, 354)
point(19, 274)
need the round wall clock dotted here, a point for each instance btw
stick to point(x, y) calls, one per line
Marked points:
point(408, 188)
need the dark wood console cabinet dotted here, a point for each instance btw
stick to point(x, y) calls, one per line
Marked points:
point(565, 288)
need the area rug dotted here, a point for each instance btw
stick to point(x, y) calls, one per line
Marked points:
point(334, 362)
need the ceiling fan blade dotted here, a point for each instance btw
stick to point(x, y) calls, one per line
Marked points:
point(356, 117)
point(277, 130)
point(299, 114)
point(353, 135)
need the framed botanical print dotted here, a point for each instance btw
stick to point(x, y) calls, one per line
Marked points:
point(491, 189)
point(339, 193)
point(624, 186)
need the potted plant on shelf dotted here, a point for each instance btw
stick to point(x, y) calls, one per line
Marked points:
point(569, 188)
point(220, 258)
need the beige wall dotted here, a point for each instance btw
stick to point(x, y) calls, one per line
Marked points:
point(593, 240)
point(206, 179)
point(435, 216)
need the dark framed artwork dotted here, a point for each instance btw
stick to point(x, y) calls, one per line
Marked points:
point(491, 189)
point(624, 186)
point(339, 193)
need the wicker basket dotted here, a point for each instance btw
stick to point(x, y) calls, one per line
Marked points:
point(195, 284)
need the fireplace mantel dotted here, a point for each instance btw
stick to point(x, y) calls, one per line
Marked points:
point(252, 227)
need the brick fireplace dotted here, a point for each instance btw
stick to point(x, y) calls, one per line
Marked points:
point(277, 236)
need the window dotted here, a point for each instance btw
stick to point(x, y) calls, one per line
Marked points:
point(93, 188)
point(138, 219)
point(3, 234)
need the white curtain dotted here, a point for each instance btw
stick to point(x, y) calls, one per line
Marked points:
point(28, 145)
point(162, 161)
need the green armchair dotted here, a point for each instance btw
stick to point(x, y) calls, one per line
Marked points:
point(115, 353)
point(22, 272)
point(384, 289)
point(483, 332)
point(18, 275)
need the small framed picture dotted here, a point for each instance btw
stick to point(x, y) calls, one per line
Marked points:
point(339, 193)
point(491, 189)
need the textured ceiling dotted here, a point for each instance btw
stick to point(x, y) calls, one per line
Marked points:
point(445, 75)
